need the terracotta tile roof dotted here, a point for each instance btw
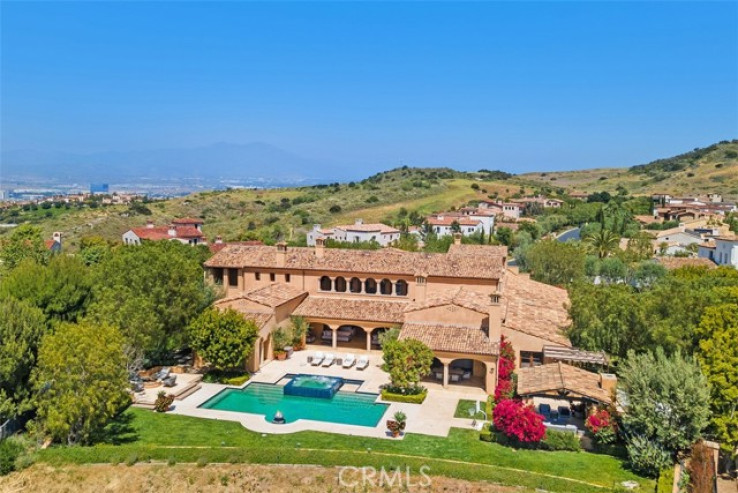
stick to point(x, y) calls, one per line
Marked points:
point(352, 309)
point(216, 247)
point(679, 262)
point(561, 377)
point(463, 297)
point(261, 319)
point(393, 262)
point(449, 220)
point(708, 244)
point(274, 295)
point(162, 232)
point(368, 228)
point(727, 237)
point(188, 220)
point(647, 219)
point(535, 308)
point(480, 250)
point(451, 338)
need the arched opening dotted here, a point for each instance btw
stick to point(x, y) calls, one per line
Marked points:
point(370, 286)
point(355, 285)
point(376, 342)
point(325, 283)
point(385, 287)
point(340, 284)
point(401, 288)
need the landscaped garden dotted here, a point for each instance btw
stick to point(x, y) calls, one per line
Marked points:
point(141, 435)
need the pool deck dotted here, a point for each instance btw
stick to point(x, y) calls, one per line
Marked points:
point(434, 417)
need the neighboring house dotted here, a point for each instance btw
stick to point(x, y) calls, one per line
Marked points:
point(546, 203)
point(507, 209)
point(355, 233)
point(672, 263)
point(726, 250)
point(55, 243)
point(443, 225)
point(676, 239)
point(459, 303)
point(219, 244)
point(186, 230)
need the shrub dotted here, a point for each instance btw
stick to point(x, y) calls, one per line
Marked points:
point(131, 459)
point(701, 469)
point(390, 396)
point(10, 450)
point(163, 402)
point(335, 209)
point(519, 421)
point(647, 457)
point(561, 440)
point(666, 481)
point(602, 426)
point(202, 462)
point(505, 367)
point(171, 461)
point(486, 435)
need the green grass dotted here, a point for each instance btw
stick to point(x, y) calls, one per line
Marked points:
point(162, 437)
point(464, 408)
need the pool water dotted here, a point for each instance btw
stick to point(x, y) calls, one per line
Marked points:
point(313, 386)
point(348, 408)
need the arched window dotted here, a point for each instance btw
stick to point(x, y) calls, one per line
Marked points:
point(355, 285)
point(385, 287)
point(325, 283)
point(340, 284)
point(401, 288)
point(370, 286)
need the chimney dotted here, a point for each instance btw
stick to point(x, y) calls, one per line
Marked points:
point(495, 317)
point(150, 224)
point(421, 281)
point(359, 221)
point(457, 238)
point(281, 254)
point(218, 240)
point(319, 247)
point(172, 231)
point(56, 236)
point(608, 381)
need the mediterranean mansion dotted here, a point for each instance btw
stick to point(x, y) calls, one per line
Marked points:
point(459, 303)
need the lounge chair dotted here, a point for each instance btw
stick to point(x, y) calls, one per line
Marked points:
point(455, 377)
point(328, 361)
point(317, 358)
point(362, 362)
point(564, 414)
point(545, 411)
point(162, 374)
point(349, 360)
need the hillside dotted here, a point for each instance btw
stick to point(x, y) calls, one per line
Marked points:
point(700, 171)
point(283, 213)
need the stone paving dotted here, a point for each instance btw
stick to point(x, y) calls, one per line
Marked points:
point(434, 417)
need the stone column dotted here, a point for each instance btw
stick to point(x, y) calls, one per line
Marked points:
point(489, 377)
point(335, 337)
point(369, 337)
point(445, 374)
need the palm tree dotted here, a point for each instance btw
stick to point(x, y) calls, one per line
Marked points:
point(602, 243)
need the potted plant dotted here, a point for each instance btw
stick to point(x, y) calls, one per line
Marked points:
point(280, 354)
point(299, 328)
point(397, 425)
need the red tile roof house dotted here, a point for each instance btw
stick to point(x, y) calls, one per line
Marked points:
point(186, 230)
point(357, 232)
point(507, 209)
point(458, 303)
point(442, 224)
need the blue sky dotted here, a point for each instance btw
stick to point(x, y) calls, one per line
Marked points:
point(517, 85)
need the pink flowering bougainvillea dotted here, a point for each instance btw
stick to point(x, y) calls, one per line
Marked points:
point(505, 369)
point(602, 426)
point(519, 421)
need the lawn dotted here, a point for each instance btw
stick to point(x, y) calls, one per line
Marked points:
point(465, 407)
point(144, 435)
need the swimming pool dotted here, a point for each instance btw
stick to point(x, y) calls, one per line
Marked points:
point(348, 408)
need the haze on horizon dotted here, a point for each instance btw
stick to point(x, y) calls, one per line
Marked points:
point(369, 86)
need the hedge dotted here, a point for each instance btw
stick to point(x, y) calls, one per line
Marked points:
point(561, 440)
point(666, 480)
point(409, 399)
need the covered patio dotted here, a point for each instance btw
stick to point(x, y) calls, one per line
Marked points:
point(565, 394)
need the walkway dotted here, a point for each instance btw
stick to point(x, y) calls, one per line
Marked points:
point(434, 417)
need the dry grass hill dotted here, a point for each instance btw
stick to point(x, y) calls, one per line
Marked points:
point(701, 171)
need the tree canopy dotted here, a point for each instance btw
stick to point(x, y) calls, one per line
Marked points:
point(21, 329)
point(222, 338)
point(555, 262)
point(80, 381)
point(407, 361)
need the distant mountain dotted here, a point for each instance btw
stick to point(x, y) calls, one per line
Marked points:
point(217, 161)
